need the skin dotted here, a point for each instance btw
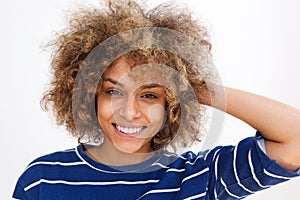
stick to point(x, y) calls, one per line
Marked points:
point(277, 122)
point(122, 102)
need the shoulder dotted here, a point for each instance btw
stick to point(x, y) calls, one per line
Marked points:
point(46, 167)
point(244, 151)
point(68, 155)
point(225, 159)
point(49, 162)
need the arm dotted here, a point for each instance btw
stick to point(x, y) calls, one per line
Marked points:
point(277, 122)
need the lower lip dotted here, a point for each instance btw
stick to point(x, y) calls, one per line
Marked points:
point(124, 135)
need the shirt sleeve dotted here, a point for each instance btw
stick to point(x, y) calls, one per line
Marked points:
point(19, 192)
point(261, 144)
point(241, 170)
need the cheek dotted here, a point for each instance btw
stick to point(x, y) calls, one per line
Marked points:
point(104, 109)
point(157, 114)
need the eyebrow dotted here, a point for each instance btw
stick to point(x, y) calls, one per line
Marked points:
point(146, 86)
point(113, 81)
point(152, 85)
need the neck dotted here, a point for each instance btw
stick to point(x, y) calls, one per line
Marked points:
point(107, 154)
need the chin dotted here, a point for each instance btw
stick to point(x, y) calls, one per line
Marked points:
point(130, 148)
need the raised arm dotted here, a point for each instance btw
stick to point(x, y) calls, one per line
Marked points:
point(277, 122)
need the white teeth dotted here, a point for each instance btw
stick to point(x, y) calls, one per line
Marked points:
point(129, 130)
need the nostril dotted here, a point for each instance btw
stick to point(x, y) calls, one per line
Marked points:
point(130, 110)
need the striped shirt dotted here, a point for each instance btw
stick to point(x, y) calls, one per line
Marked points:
point(225, 172)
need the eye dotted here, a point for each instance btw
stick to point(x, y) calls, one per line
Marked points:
point(114, 92)
point(149, 96)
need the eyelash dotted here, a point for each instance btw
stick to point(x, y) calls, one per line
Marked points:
point(149, 96)
point(114, 92)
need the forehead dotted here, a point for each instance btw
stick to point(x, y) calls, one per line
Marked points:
point(127, 68)
point(127, 71)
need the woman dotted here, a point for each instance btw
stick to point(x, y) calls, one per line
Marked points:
point(134, 105)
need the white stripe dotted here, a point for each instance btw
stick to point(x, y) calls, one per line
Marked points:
point(260, 143)
point(192, 163)
point(276, 176)
point(252, 171)
point(205, 157)
point(183, 158)
point(216, 176)
point(175, 170)
point(216, 154)
point(159, 191)
point(216, 166)
point(259, 137)
point(228, 192)
point(161, 165)
point(175, 155)
point(55, 163)
point(215, 193)
point(191, 155)
point(235, 172)
point(88, 183)
point(196, 196)
point(194, 175)
point(32, 185)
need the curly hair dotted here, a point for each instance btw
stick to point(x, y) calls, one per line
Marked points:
point(87, 28)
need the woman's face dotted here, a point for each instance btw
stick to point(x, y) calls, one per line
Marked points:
point(131, 108)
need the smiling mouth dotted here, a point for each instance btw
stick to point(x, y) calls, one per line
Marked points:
point(129, 130)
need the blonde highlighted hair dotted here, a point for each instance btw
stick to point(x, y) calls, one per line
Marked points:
point(87, 28)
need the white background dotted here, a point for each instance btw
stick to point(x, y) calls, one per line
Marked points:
point(256, 47)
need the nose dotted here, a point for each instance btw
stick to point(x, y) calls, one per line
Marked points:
point(130, 109)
